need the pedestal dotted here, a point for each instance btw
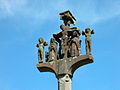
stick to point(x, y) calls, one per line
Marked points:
point(64, 69)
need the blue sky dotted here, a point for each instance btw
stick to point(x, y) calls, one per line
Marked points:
point(22, 22)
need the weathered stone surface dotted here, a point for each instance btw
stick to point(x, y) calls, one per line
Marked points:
point(68, 58)
point(67, 18)
point(40, 47)
point(88, 40)
point(52, 50)
point(64, 82)
point(65, 66)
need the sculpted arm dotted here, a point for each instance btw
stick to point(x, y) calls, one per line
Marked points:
point(83, 33)
point(37, 45)
point(92, 32)
point(45, 43)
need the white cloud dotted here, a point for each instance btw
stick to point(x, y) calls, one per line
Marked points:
point(87, 11)
point(5, 7)
point(9, 7)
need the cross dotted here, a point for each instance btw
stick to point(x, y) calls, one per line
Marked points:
point(69, 58)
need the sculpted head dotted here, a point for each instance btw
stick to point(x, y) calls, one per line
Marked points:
point(41, 40)
point(87, 30)
point(52, 40)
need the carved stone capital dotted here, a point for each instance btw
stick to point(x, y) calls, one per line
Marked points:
point(65, 66)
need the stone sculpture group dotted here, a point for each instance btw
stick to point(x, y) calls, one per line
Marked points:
point(65, 44)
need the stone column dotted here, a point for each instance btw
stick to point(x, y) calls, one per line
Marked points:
point(64, 69)
point(64, 82)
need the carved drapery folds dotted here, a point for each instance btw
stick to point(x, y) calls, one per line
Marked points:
point(52, 50)
point(64, 52)
point(65, 44)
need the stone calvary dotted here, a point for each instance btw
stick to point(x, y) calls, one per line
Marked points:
point(64, 51)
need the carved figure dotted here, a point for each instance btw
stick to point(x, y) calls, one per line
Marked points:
point(75, 44)
point(64, 44)
point(47, 56)
point(68, 47)
point(40, 47)
point(52, 50)
point(88, 40)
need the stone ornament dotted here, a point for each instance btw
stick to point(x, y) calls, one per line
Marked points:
point(88, 40)
point(64, 51)
point(40, 47)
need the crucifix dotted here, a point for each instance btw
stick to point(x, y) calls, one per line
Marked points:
point(64, 61)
